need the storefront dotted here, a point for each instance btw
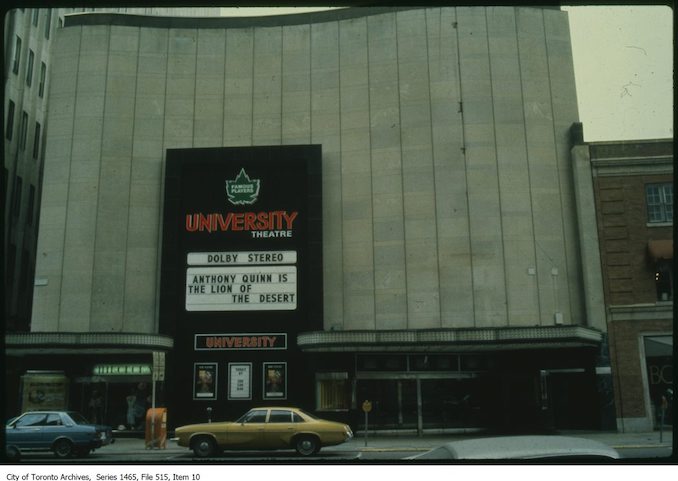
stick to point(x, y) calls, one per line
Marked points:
point(529, 380)
point(109, 382)
point(658, 360)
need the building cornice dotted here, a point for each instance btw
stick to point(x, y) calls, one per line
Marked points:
point(450, 340)
point(650, 165)
point(319, 16)
point(641, 312)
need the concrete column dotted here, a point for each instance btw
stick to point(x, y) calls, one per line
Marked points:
point(588, 237)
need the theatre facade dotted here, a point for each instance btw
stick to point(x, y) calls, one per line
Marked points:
point(317, 210)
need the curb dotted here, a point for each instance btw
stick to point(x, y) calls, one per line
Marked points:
point(641, 446)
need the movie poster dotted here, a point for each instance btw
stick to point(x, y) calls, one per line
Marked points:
point(275, 380)
point(205, 381)
point(240, 381)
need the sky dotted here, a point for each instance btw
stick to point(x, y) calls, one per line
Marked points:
point(623, 62)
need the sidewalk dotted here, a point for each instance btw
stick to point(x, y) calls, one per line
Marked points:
point(412, 442)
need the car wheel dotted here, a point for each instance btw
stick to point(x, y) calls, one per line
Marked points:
point(12, 453)
point(204, 447)
point(63, 448)
point(306, 445)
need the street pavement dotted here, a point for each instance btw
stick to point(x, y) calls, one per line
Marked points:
point(377, 448)
point(398, 443)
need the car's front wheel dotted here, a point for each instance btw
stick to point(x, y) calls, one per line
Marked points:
point(204, 447)
point(306, 445)
point(63, 448)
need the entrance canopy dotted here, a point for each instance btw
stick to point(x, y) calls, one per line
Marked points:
point(451, 340)
point(85, 342)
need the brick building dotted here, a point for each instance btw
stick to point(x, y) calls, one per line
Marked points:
point(633, 185)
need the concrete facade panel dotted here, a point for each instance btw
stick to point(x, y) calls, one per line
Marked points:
point(444, 156)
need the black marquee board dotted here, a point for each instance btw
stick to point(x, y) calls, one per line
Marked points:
point(241, 274)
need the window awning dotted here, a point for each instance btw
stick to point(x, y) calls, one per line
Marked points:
point(660, 249)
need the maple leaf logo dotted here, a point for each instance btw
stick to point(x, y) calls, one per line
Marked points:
point(242, 190)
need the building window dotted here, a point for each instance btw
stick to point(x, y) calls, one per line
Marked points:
point(23, 274)
point(31, 205)
point(36, 15)
point(333, 391)
point(36, 141)
point(43, 76)
point(659, 202)
point(17, 55)
point(663, 279)
point(48, 23)
point(10, 121)
point(23, 131)
point(16, 201)
point(29, 68)
point(11, 263)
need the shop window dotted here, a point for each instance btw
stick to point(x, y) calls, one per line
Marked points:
point(475, 363)
point(382, 363)
point(17, 55)
point(29, 68)
point(659, 202)
point(10, 121)
point(333, 391)
point(660, 366)
point(426, 362)
point(663, 278)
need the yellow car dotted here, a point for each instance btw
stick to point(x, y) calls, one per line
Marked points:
point(264, 428)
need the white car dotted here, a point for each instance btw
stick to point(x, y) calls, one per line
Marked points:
point(551, 448)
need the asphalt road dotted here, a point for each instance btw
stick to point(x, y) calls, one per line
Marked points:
point(326, 456)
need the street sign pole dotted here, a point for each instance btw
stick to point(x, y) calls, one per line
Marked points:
point(367, 407)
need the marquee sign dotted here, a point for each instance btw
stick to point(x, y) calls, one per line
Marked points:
point(122, 370)
point(241, 272)
point(240, 342)
point(241, 288)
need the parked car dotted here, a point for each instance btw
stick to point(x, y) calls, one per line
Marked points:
point(545, 448)
point(264, 428)
point(66, 433)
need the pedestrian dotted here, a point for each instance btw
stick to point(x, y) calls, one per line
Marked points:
point(131, 401)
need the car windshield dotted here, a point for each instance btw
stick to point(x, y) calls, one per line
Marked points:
point(78, 418)
point(255, 415)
